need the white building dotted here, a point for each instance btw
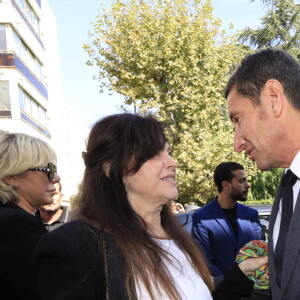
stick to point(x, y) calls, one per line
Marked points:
point(30, 92)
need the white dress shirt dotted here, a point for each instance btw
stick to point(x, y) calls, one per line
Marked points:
point(295, 168)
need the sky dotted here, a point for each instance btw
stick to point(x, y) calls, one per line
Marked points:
point(74, 19)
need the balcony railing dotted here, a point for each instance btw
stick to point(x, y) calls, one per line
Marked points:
point(28, 120)
point(8, 59)
point(5, 113)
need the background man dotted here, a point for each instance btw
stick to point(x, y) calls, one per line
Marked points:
point(224, 226)
point(54, 215)
point(264, 105)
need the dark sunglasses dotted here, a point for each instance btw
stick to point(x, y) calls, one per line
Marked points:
point(51, 169)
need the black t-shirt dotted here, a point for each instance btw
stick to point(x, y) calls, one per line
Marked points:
point(231, 215)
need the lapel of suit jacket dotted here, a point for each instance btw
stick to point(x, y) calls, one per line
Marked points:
point(222, 220)
point(292, 249)
point(243, 225)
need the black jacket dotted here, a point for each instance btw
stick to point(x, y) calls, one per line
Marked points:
point(19, 234)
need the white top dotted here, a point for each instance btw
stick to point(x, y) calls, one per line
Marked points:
point(295, 168)
point(187, 281)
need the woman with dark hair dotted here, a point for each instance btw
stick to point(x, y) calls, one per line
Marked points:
point(127, 244)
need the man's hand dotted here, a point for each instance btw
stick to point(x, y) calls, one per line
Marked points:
point(249, 265)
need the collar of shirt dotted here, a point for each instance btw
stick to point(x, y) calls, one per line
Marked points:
point(295, 168)
point(295, 165)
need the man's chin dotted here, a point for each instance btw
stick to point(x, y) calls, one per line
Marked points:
point(263, 166)
point(242, 199)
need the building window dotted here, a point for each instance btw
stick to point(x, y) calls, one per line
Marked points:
point(27, 56)
point(31, 61)
point(27, 104)
point(36, 23)
point(32, 108)
point(4, 95)
point(23, 52)
point(42, 116)
point(21, 3)
point(3, 43)
point(28, 11)
point(35, 111)
point(30, 14)
point(21, 99)
point(39, 70)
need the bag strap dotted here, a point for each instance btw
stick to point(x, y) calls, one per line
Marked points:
point(105, 251)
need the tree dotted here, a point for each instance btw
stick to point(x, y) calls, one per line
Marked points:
point(264, 185)
point(170, 57)
point(280, 27)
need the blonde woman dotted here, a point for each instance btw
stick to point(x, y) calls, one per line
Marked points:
point(27, 178)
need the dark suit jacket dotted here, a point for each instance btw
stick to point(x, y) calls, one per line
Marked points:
point(215, 236)
point(71, 267)
point(19, 234)
point(290, 284)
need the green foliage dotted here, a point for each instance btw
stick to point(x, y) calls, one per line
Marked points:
point(264, 184)
point(260, 202)
point(173, 59)
point(280, 27)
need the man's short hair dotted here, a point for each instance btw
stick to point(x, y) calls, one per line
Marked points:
point(223, 172)
point(256, 69)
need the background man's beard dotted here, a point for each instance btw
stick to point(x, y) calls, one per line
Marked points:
point(239, 197)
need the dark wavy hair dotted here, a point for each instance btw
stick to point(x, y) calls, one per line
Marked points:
point(119, 145)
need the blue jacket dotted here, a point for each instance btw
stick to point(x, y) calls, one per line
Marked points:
point(215, 236)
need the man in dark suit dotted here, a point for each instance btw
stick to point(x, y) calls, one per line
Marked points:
point(264, 105)
point(224, 226)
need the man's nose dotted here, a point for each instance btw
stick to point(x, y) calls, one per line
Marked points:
point(238, 141)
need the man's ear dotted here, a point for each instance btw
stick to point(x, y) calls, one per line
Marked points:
point(225, 184)
point(273, 89)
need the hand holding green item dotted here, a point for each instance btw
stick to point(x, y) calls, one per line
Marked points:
point(254, 249)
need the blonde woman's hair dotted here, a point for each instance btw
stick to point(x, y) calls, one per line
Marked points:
point(18, 153)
